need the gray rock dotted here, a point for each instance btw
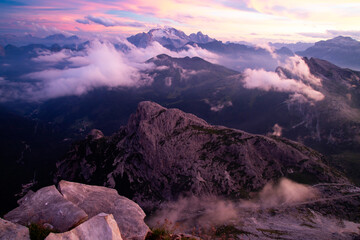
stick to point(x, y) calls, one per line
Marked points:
point(164, 153)
point(47, 206)
point(10, 231)
point(95, 199)
point(95, 134)
point(26, 197)
point(100, 227)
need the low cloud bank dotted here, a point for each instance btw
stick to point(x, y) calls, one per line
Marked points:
point(70, 72)
point(100, 65)
point(209, 211)
point(285, 192)
point(301, 82)
point(267, 81)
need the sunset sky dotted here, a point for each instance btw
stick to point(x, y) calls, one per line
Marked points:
point(233, 20)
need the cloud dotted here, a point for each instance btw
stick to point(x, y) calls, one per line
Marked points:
point(335, 33)
point(268, 48)
point(193, 211)
point(83, 21)
point(93, 72)
point(205, 212)
point(300, 80)
point(331, 34)
point(285, 192)
point(46, 56)
point(108, 22)
point(299, 68)
point(70, 72)
point(155, 48)
point(267, 81)
point(42, 30)
point(277, 130)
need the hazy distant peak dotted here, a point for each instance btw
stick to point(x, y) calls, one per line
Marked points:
point(199, 37)
point(340, 40)
point(168, 32)
point(56, 37)
point(169, 37)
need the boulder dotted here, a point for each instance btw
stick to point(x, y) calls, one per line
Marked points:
point(10, 231)
point(95, 199)
point(47, 206)
point(103, 227)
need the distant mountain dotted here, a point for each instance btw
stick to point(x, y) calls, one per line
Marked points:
point(164, 153)
point(199, 37)
point(240, 56)
point(29, 39)
point(62, 37)
point(229, 48)
point(294, 47)
point(284, 51)
point(342, 51)
point(217, 94)
point(168, 37)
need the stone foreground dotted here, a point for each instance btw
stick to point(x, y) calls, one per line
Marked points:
point(110, 215)
point(102, 226)
point(9, 230)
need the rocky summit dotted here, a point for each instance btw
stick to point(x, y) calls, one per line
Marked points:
point(95, 200)
point(101, 226)
point(162, 154)
point(76, 211)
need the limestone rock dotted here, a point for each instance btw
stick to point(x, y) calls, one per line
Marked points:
point(164, 153)
point(47, 206)
point(100, 227)
point(95, 134)
point(10, 231)
point(95, 199)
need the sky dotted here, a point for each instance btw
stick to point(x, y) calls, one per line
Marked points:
point(227, 20)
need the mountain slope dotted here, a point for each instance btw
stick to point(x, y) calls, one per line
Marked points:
point(164, 153)
point(342, 51)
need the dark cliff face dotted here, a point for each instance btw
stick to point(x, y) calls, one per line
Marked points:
point(164, 153)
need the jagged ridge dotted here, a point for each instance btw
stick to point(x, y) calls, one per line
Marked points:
point(163, 153)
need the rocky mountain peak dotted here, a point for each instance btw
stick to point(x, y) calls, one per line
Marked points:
point(169, 32)
point(199, 37)
point(168, 37)
point(150, 115)
point(164, 153)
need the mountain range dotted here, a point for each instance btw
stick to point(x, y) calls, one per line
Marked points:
point(168, 37)
point(29, 39)
point(300, 119)
point(342, 51)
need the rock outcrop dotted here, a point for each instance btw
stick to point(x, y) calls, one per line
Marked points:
point(47, 206)
point(164, 153)
point(95, 199)
point(111, 215)
point(9, 231)
point(102, 226)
